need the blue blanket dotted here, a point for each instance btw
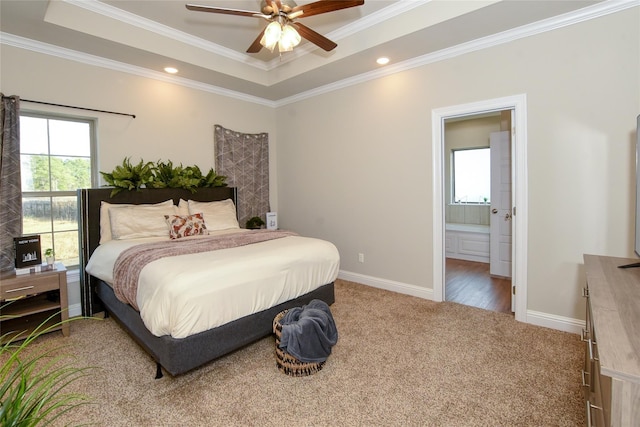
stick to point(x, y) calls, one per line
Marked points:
point(309, 332)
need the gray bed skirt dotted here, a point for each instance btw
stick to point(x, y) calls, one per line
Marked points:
point(178, 356)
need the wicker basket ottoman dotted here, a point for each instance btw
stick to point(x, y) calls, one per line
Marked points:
point(287, 363)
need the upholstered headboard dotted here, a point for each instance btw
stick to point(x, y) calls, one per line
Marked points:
point(89, 200)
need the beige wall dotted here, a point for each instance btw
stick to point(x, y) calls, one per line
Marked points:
point(172, 122)
point(355, 165)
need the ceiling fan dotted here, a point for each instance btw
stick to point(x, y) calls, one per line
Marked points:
point(283, 30)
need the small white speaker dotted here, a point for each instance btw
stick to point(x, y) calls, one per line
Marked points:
point(272, 220)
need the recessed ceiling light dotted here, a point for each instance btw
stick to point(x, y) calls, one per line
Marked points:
point(382, 61)
point(171, 70)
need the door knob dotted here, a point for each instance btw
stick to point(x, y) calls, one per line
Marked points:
point(494, 211)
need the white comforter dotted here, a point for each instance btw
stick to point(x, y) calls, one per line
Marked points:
point(187, 294)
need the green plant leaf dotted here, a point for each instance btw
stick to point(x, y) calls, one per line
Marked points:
point(160, 175)
point(32, 384)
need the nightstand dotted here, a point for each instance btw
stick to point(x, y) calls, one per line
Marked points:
point(31, 299)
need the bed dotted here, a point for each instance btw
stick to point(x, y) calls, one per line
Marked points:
point(193, 348)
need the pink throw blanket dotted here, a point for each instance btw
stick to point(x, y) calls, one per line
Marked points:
point(130, 262)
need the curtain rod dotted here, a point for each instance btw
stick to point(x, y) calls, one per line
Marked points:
point(78, 108)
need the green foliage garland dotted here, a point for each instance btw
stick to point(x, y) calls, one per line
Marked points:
point(130, 177)
point(160, 175)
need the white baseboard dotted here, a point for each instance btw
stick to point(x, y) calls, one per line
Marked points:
point(537, 318)
point(389, 285)
point(553, 321)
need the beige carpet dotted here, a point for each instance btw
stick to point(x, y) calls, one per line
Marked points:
point(400, 360)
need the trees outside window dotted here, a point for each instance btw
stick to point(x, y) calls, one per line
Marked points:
point(56, 160)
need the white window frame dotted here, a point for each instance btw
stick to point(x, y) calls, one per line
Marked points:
point(92, 122)
point(453, 178)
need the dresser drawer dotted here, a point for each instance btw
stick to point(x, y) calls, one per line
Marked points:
point(35, 284)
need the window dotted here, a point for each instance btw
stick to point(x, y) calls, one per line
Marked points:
point(472, 175)
point(56, 160)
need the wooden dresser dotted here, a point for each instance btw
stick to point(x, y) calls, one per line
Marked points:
point(611, 373)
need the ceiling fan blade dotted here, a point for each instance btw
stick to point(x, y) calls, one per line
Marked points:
point(256, 46)
point(324, 6)
point(314, 37)
point(201, 8)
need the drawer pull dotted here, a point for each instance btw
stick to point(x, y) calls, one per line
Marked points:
point(584, 381)
point(583, 335)
point(589, 408)
point(591, 343)
point(19, 289)
point(585, 292)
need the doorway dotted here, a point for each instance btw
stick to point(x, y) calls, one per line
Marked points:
point(478, 226)
point(517, 104)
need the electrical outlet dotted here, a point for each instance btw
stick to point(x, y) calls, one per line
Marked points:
point(360, 257)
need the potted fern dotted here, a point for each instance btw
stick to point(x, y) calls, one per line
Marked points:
point(254, 223)
point(32, 385)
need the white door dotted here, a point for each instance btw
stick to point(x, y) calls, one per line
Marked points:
point(500, 218)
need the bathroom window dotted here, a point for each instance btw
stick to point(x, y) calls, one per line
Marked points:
point(471, 170)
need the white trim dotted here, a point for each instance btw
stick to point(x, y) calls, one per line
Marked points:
point(97, 61)
point(137, 21)
point(536, 318)
point(388, 285)
point(587, 13)
point(591, 12)
point(438, 116)
point(551, 321)
point(164, 31)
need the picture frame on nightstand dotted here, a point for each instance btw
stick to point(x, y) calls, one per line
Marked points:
point(272, 220)
point(27, 251)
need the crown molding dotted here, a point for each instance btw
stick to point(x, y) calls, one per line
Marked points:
point(129, 18)
point(588, 13)
point(550, 24)
point(98, 61)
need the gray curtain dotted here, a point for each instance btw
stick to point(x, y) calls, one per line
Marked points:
point(244, 160)
point(10, 183)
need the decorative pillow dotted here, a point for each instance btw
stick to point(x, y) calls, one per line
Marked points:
point(105, 219)
point(186, 225)
point(134, 222)
point(217, 215)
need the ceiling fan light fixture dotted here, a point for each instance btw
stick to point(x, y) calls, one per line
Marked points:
point(289, 39)
point(282, 29)
point(271, 35)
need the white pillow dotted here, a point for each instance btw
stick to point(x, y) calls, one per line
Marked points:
point(183, 208)
point(105, 220)
point(217, 215)
point(134, 222)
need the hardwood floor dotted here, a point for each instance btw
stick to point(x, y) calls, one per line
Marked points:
point(469, 283)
